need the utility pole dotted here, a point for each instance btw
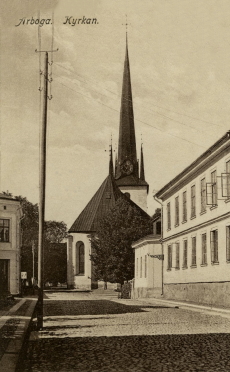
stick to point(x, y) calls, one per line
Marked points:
point(42, 183)
point(42, 188)
point(33, 247)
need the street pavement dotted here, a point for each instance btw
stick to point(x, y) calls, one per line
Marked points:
point(98, 332)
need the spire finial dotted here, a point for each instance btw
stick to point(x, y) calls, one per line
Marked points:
point(126, 24)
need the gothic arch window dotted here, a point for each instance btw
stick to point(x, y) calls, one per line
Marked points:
point(80, 258)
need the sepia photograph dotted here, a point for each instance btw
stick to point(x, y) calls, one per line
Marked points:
point(115, 186)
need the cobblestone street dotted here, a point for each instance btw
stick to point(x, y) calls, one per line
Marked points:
point(85, 332)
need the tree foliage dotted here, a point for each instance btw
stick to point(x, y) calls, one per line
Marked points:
point(54, 254)
point(112, 253)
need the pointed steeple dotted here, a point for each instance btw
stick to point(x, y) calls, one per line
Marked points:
point(142, 169)
point(127, 155)
point(111, 161)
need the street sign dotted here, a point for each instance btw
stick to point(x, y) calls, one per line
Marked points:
point(23, 275)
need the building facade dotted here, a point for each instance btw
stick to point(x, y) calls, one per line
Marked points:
point(148, 281)
point(10, 244)
point(126, 179)
point(196, 229)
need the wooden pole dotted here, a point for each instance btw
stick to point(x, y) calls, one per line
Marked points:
point(42, 197)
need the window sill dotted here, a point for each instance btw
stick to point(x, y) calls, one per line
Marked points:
point(193, 266)
point(79, 274)
point(177, 268)
point(227, 200)
point(184, 221)
point(213, 207)
point(228, 261)
point(203, 212)
point(176, 225)
point(215, 263)
point(184, 267)
point(169, 269)
point(192, 217)
point(169, 229)
point(204, 264)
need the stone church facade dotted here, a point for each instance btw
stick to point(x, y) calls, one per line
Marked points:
point(124, 180)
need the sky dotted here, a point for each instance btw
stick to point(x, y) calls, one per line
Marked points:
point(179, 53)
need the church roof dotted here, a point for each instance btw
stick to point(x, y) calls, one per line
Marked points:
point(100, 204)
point(131, 180)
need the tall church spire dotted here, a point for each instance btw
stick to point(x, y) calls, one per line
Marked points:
point(111, 160)
point(142, 169)
point(127, 156)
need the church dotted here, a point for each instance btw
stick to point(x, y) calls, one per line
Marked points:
point(126, 179)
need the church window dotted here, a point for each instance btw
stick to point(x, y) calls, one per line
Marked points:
point(137, 268)
point(80, 258)
point(141, 268)
point(158, 227)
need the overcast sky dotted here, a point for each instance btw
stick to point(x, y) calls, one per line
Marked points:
point(180, 70)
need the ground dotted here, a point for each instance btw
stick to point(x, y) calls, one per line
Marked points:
point(98, 332)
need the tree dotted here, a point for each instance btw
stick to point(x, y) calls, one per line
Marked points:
point(112, 253)
point(54, 254)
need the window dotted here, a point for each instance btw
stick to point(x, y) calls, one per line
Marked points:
point(158, 228)
point(214, 188)
point(169, 257)
point(141, 268)
point(204, 249)
point(184, 206)
point(214, 246)
point(145, 266)
point(168, 216)
point(203, 195)
point(4, 230)
point(177, 255)
point(228, 177)
point(193, 201)
point(137, 268)
point(228, 244)
point(177, 211)
point(185, 254)
point(80, 258)
point(193, 251)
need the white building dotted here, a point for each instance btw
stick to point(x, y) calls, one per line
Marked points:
point(149, 264)
point(196, 229)
point(10, 244)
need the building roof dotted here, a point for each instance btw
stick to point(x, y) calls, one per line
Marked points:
point(131, 180)
point(199, 163)
point(8, 196)
point(100, 204)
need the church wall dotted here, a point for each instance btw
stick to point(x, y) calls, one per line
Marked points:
point(138, 194)
point(79, 281)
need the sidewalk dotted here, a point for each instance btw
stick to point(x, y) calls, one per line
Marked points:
point(225, 312)
point(14, 326)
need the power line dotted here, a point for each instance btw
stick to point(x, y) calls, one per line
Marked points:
point(141, 121)
point(156, 112)
point(163, 108)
